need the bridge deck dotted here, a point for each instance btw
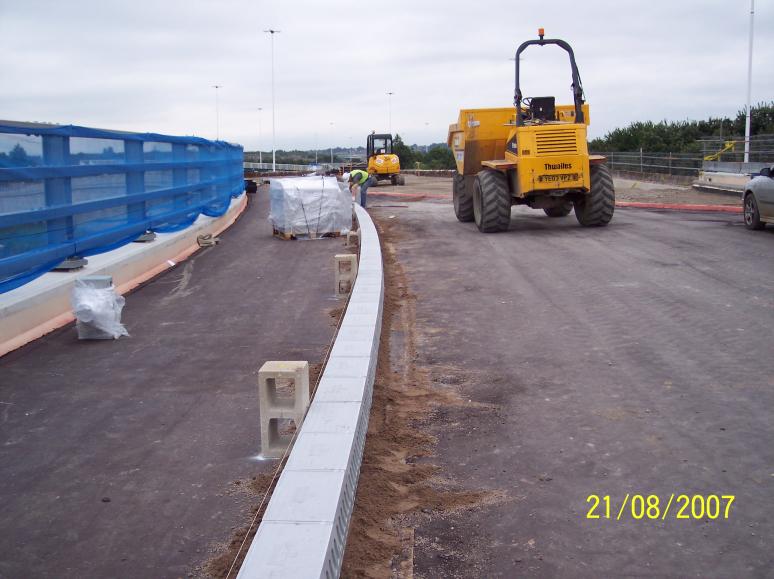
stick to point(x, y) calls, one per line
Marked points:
point(118, 458)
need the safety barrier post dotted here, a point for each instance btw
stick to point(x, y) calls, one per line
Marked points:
point(56, 152)
point(208, 173)
point(179, 176)
point(135, 180)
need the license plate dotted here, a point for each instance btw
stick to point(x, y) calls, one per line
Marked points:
point(558, 178)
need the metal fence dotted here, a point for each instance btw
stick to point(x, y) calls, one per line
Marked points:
point(70, 191)
point(289, 167)
point(663, 163)
point(717, 154)
point(731, 149)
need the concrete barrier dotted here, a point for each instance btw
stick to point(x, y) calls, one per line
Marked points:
point(304, 530)
point(724, 182)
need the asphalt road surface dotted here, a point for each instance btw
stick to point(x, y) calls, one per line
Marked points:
point(632, 359)
point(118, 458)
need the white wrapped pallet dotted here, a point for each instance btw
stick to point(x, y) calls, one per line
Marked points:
point(309, 206)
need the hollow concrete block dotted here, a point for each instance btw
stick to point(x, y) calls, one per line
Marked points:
point(283, 392)
point(346, 272)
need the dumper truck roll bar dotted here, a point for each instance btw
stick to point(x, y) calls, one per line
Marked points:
point(577, 88)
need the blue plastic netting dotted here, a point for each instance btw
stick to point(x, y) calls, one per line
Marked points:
point(74, 191)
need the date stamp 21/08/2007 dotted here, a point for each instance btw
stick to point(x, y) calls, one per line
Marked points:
point(653, 507)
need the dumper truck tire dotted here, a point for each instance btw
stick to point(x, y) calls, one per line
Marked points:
point(562, 210)
point(491, 201)
point(401, 180)
point(596, 208)
point(463, 199)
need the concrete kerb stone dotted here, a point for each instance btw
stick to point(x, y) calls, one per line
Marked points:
point(304, 530)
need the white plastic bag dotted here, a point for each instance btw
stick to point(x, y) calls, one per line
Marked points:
point(98, 312)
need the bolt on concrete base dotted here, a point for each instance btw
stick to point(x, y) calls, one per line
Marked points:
point(283, 391)
point(72, 263)
point(146, 237)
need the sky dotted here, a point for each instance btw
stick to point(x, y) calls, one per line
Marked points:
point(144, 65)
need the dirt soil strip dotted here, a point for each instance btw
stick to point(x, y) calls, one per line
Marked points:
point(399, 484)
point(680, 207)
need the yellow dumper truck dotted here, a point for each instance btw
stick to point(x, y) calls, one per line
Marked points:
point(534, 154)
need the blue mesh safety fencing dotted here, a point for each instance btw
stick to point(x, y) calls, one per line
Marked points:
point(70, 191)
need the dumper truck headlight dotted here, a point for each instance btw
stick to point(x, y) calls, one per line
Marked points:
point(380, 161)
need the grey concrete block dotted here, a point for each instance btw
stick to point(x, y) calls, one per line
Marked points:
point(321, 451)
point(306, 497)
point(349, 367)
point(340, 389)
point(283, 550)
point(333, 417)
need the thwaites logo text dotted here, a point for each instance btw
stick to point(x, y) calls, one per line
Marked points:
point(557, 166)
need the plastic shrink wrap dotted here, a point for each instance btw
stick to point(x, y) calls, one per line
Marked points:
point(311, 206)
point(97, 311)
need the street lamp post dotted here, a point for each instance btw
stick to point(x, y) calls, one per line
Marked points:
point(389, 109)
point(217, 112)
point(272, 32)
point(749, 86)
point(331, 123)
point(260, 153)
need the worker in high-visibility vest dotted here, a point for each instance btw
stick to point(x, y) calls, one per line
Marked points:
point(364, 180)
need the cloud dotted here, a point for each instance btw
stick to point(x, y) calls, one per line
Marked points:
point(150, 66)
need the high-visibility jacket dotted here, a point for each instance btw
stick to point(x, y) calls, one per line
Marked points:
point(358, 176)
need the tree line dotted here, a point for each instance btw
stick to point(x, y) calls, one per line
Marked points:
point(682, 136)
point(437, 156)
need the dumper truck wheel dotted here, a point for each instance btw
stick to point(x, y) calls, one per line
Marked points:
point(394, 179)
point(596, 207)
point(463, 199)
point(401, 180)
point(560, 211)
point(491, 202)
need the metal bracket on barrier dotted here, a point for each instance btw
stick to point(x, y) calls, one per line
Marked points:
point(72, 263)
point(146, 237)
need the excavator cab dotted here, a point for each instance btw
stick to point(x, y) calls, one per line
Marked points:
point(378, 145)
